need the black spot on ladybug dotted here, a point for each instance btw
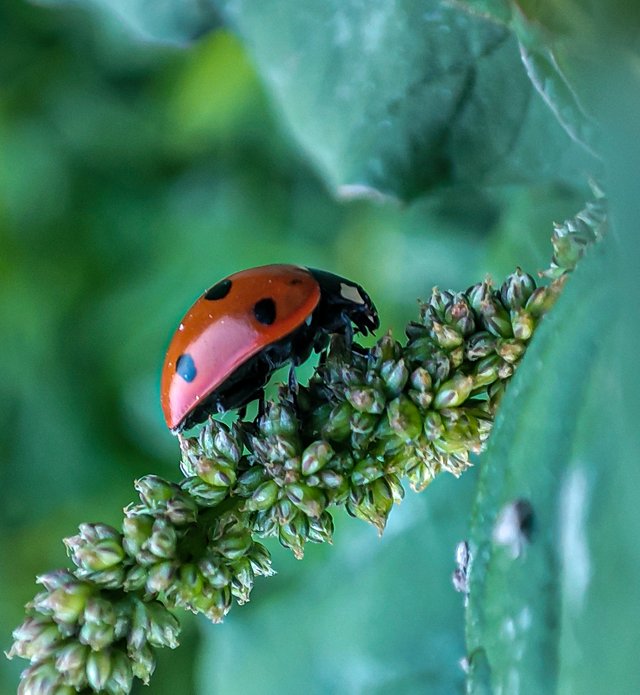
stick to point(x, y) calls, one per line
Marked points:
point(295, 281)
point(218, 291)
point(186, 367)
point(265, 311)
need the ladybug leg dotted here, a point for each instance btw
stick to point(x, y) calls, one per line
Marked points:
point(348, 331)
point(261, 403)
point(293, 385)
point(242, 412)
point(293, 380)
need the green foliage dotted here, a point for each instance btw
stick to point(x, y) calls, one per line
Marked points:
point(403, 97)
point(133, 174)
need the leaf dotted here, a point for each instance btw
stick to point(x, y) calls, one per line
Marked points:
point(169, 21)
point(404, 96)
point(556, 617)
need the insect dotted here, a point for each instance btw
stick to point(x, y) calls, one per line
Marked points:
point(248, 325)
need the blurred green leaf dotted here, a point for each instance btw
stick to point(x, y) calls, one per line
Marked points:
point(404, 97)
point(172, 22)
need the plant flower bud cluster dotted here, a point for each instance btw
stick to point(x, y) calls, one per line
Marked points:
point(369, 419)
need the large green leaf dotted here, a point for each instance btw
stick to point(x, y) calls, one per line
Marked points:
point(403, 96)
point(391, 97)
point(553, 615)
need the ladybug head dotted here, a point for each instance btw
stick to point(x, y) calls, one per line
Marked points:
point(343, 299)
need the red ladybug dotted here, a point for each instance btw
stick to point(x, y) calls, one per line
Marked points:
point(246, 326)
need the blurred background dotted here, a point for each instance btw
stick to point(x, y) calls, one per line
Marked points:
point(133, 175)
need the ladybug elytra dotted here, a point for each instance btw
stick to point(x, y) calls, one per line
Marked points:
point(248, 325)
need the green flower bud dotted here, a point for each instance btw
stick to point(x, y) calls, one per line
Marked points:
point(310, 500)
point(437, 365)
point(495, 317)
point(143, 663)
point(205, 495)
point(385, 350)
point(505, 370)
point(433, 425)
point(260, 560)
point(160, 577)
point(228, 446)
point(264, 496)
point(234, 544)
point(373, 504)
point(363, 423)
point(459, 314)
point(394, 375)
point(163, 540)
point(479, 293)
point(486, 371)
point(154, 491)
point(42, 678)
point(66, 604)
point(56, 579)
point(517, 289)
point(338, 426)
point(422, 399)
point(206, 436)
point(331, 479)
point(71, 663)
point(35, 639)
point(421, 380)
point(191, 581)
point(278, 420)
point(137, 637)
point(97, 547)
point(544, 298)
point(242, 582)
point(123, 618)
point(181, 510)
point(453, 392)
point(284, 511)
point(321, 529)
point(215, 571)
point(215, 472)
point(523, 324)
point(315, 457)
point(121, 678)
point(510, 350)
point(447, 337)
point(98, 669)
point(294, 534)
point(480, 345)
point(136, 530)
point(404, 417)
point(107, 579)
point(420, 476)
point(96, 635)
point(496, 391)
point(218, 603)
point(163, 627)
point(366, 471)
point(135, 578)
point(250, 480)
point(365, 399)
point(99, 610)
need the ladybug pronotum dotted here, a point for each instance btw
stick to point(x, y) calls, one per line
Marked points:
point(248, 325)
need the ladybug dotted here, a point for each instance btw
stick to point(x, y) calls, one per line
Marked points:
point(248, 325)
